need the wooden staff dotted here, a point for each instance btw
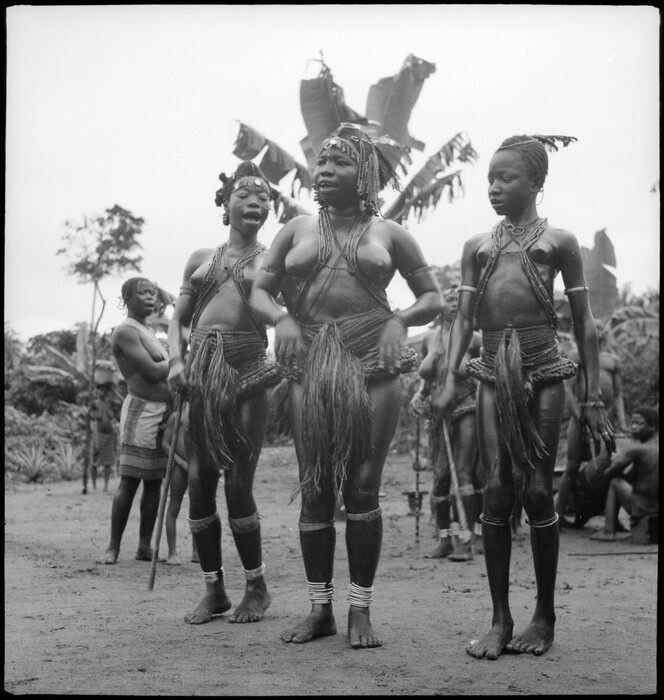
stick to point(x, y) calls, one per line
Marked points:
point(463, 521)
point(164, 495)
point(416, 466)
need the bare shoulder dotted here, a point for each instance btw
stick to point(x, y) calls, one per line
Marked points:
point(197, 258)
point(297, 226)
point(562, 237)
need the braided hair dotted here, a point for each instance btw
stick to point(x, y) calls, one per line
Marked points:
point(533, 150)
point(375, 171)
point(129, 289)
point(246, 168)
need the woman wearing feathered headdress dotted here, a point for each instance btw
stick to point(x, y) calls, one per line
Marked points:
point(506, 287)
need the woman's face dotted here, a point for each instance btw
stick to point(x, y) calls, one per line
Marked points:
point(142, 302)
point(248, 205)
point(511, 186)
point(335, 177)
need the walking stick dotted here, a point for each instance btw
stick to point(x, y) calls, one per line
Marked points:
point(463, 521)
point(164, 495)
point(416, 466)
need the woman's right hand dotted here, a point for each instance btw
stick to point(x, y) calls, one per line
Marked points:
point(443, 398)
point(177, 376)
point(288, 342)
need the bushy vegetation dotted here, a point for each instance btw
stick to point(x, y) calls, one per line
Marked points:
point(46, 399)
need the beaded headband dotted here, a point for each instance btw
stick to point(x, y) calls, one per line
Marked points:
point(250, 180)
point(370, 162)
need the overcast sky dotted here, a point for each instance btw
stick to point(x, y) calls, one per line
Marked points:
point(139, 106)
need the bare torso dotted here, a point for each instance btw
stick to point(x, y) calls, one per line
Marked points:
point(509, 298)
point(347, 295)
point(137, 383)
point(226, 311)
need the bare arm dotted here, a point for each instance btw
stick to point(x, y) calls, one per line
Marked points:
point(180, 321)
point(127, 341)
point(621, 461)
point(288, 343)
point(619, 403)
point(592, 416)
point(462, 330)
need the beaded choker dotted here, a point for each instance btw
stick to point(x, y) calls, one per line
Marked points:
point(519, 231)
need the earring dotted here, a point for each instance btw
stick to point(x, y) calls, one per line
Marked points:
point(226, 219)
point(541, 191)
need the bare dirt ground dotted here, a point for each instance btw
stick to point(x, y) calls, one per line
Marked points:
point(75, 627)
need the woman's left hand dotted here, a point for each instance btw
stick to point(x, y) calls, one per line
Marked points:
point(392, 342)
point(596, 422)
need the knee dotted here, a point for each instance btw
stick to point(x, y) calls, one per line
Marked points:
point(498, 501)
point(537, 500)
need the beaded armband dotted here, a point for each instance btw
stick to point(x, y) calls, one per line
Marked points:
point(466, 288)
point(571, 290)
point(422, 268)
point(187, 292)
point(591, 404)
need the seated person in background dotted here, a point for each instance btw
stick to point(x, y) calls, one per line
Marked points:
point(578, 446)
point(640, 497)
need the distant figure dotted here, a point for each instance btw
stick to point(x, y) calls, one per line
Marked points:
point(105, 435)
point(178, 486)
point(578, 445)
point(454, 542)
point(143, 362)
point(639, 495)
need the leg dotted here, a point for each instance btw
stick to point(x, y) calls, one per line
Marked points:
point(364, 524)
point(496, 531)
point(570, 476)
point(440, 492)
point(206, 530)
point(122, 501)
point(243, 517)
point(93, 474)
point(547, 407)
point(317, 541)
point(178, 489)
point(107, 476)
point(619, 494)
point(464, 445)
point(149, 510)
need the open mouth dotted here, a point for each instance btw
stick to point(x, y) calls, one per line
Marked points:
point(252, 218)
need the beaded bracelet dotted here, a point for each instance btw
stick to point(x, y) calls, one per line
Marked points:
point(591, 404)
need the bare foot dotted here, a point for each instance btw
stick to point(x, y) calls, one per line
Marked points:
point(492, 644)
point(318, 623)
point(215, 602)
point(254, 604)
point(603, 536)
point(535, 639)
point(110, 556)
point(462, 552)
point(441, 550)
point(360, 631)
point(144, 554)
point(174, 559)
